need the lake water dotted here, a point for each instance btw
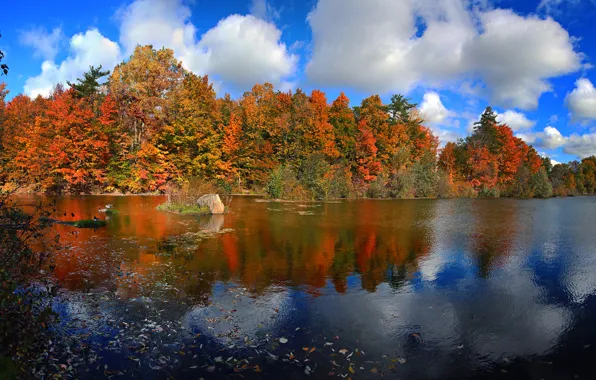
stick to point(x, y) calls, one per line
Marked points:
point(412, 289)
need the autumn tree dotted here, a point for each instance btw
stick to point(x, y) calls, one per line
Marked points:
point(341, 117)
point(145, 89)
point(368, 165)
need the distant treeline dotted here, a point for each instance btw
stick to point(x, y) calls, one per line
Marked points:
point(154, 125)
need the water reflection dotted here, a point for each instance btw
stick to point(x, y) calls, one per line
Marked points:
point(455, 286)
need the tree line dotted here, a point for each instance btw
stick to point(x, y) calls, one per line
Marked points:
point(153, 125)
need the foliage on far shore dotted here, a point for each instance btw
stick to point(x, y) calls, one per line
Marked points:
point(137, 136)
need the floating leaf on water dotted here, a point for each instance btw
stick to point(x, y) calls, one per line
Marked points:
point(343, 351)
point(218, 359)
point(328, 344)
point(401, 361)
point(283, 340)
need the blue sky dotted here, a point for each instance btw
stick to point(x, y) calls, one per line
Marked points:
point(531, 60)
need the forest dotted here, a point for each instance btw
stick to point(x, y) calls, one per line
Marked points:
point(150, 125)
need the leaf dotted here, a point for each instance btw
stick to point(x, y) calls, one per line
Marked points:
point(283, 340)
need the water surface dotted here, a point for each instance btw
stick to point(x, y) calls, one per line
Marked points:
point(416, 289)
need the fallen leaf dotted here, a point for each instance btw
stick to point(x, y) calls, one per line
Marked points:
point(283, 340)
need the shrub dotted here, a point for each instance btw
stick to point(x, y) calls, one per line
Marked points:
point(401, 185)
point(377, 188)
point(341, 183)
point(444, 187)
point(25, 292)
point(314, 175)
point(541, 185)
point(284, 185)
point(425, 178)
point(489, 192)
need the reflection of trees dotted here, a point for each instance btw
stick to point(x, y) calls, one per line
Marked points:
point(496, 225)
point(380, 241)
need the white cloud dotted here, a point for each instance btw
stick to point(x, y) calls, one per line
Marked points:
point(432, 109)
point(86, 49)
point(581, 145)
point(582, 101)
point(549, 138)
point(515, 120)
point(239, 50)
point(529, 138)
point(263, 10)
point(245, 50)
point(578, 145)
point(557, 7)
point(379, 46)
point(44, 43)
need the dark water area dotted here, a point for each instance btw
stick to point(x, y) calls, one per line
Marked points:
point(412, 289)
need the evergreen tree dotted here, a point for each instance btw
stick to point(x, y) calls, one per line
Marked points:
point(89, 85)
point(485, 130)
point(399, 109)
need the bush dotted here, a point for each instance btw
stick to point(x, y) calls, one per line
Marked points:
point(25, 291)
point(541, 185)
point(284, 185)
point(401, 185)
point(444, 187)
point(314, 175)
point(341, 184)
point(425, 178)
point(377, 188)
point(489, 192)
point(188, 193)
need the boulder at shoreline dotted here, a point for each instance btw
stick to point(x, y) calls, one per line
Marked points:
point(213, 202)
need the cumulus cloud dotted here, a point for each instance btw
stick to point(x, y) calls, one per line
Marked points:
point(245, 50)
point(581, 102)
point(432, 109)
point(86, 49)
point(239, 50)
point(528, 138)
point(515, 120)
point(581, 145)
point(380, 46)
point(45, 44)
point(549, 138)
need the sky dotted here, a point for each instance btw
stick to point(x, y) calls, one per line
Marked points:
point(531, 60)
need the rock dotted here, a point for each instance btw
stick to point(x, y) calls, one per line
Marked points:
point(212, 223)
point(213, 202)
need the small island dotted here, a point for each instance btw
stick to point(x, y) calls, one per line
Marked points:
point(204, 205)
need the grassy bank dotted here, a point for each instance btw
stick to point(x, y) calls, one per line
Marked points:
point(79, 223)
point(185, 209)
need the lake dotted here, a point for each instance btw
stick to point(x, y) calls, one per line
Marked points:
point(412, 289)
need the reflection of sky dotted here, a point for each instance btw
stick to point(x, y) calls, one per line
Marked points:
point(522, 308)
point(539, 261)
